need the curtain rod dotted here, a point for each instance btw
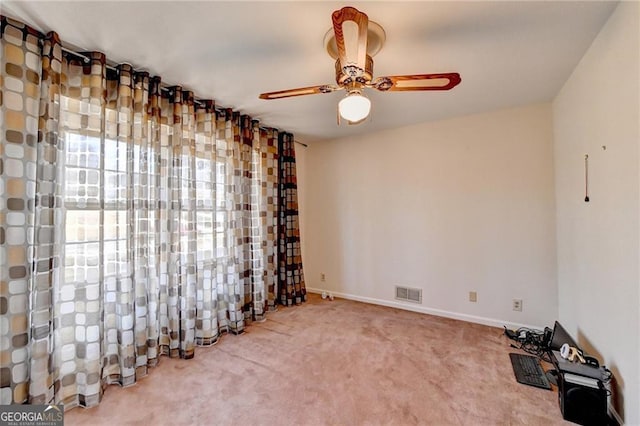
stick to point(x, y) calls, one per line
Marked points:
point(162, 86)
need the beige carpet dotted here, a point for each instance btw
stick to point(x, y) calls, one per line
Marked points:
point(340, 363)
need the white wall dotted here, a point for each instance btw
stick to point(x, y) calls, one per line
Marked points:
point(449, 207)
point(598, 242)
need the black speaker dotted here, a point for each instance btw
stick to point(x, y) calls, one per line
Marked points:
point(581, 403)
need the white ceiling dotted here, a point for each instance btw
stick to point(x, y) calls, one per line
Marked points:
point(508, 53)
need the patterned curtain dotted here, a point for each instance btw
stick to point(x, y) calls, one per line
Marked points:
point(291, 277)
point(269, 179)
point(135, 222)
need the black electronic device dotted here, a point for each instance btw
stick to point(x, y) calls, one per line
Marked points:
point(565, 366)
point(591, 361)
point(582, 395)
point(582, 400)
point(582, 383)
point(527, 370)
point(559, 337)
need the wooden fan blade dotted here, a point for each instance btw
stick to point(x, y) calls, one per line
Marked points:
point(401, 83)
point(312, 90)
point(350, 30)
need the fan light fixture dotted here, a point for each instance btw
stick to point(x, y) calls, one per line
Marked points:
point(352, 42)
point(354, 107)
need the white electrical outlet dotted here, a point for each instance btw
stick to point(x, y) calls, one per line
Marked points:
point(323, 278)
point(517, 305)
point(473, 296)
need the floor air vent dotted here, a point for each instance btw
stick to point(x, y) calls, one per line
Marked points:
point(409, 294)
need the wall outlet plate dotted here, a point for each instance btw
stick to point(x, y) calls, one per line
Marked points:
point(473, 296)
point(517, 305)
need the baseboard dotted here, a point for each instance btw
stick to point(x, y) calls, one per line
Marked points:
point(491, 322)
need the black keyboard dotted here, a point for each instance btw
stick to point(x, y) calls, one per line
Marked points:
point(528, 371)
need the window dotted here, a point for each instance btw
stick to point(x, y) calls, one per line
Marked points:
point(95, 204)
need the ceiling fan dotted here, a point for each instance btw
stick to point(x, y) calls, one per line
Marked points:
point(353, 41)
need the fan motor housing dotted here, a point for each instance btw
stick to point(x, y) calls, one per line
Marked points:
point(352, 73)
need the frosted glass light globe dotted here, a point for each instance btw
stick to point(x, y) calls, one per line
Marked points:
point(354, 107)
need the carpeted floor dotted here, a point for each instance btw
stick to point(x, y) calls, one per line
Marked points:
point(339, 363)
